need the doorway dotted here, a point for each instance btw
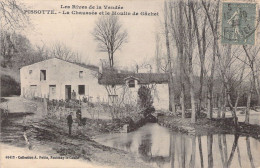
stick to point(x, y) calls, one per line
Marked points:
point(33, 90)
point(67, 92)
point(52, 92)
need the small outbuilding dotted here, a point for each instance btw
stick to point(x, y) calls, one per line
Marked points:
point(128, 83)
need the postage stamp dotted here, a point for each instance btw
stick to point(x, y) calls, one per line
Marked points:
point(239, 23)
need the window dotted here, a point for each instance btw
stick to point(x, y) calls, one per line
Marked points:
point(43, 75)
point(30, 72)
point(52, 89)
point(80, 74)
point(81, 89)
point(131, 83)
point(52, 92)
point(33, 90)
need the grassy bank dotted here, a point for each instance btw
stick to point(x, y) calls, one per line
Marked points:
point(51, 137)
point(48, 134)
point(205, 126)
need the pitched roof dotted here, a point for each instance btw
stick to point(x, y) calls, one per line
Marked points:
point(114, 78)
point(91, 67)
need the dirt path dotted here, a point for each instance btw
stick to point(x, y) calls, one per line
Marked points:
point(52, 140)
point(49, 137)
point(18, 104)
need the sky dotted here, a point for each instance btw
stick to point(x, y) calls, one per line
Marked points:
point(75, 30)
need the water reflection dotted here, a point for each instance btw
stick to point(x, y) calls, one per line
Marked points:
point(161, 148)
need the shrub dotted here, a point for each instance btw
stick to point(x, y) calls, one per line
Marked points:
point(9, 86)
point(145, 100)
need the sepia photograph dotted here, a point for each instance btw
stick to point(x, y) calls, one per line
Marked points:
point(129, 83)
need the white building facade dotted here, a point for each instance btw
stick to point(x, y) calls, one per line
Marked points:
point(57, 79)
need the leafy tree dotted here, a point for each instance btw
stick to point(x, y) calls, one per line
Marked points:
point(16, 50)
point(145, 100)
point(12, 18)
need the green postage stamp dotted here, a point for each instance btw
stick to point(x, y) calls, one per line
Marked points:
point(239, 23)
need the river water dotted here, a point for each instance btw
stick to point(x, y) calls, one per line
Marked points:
point(161, 147)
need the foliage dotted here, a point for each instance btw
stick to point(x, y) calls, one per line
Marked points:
point(9, 86)
point(17, 51)
point(145, 100)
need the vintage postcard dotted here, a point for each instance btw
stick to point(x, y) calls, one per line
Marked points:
point(129, 83)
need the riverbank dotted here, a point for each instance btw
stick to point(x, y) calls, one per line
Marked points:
point(48, 136)
point(205, 126)
point(51, 137)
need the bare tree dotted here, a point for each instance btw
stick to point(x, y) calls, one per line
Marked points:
point(42, 52)
point(202, 47)
point(157, 53)
point(248, 103)
point(232, 75)
point(252, 54)
point(190, 60)
point(178, 33)
point(110, 36)
point(60, 50)
point(169, 64)
point(183, 34)
point(213, 21)
point(12, 16)
point(161, 59)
